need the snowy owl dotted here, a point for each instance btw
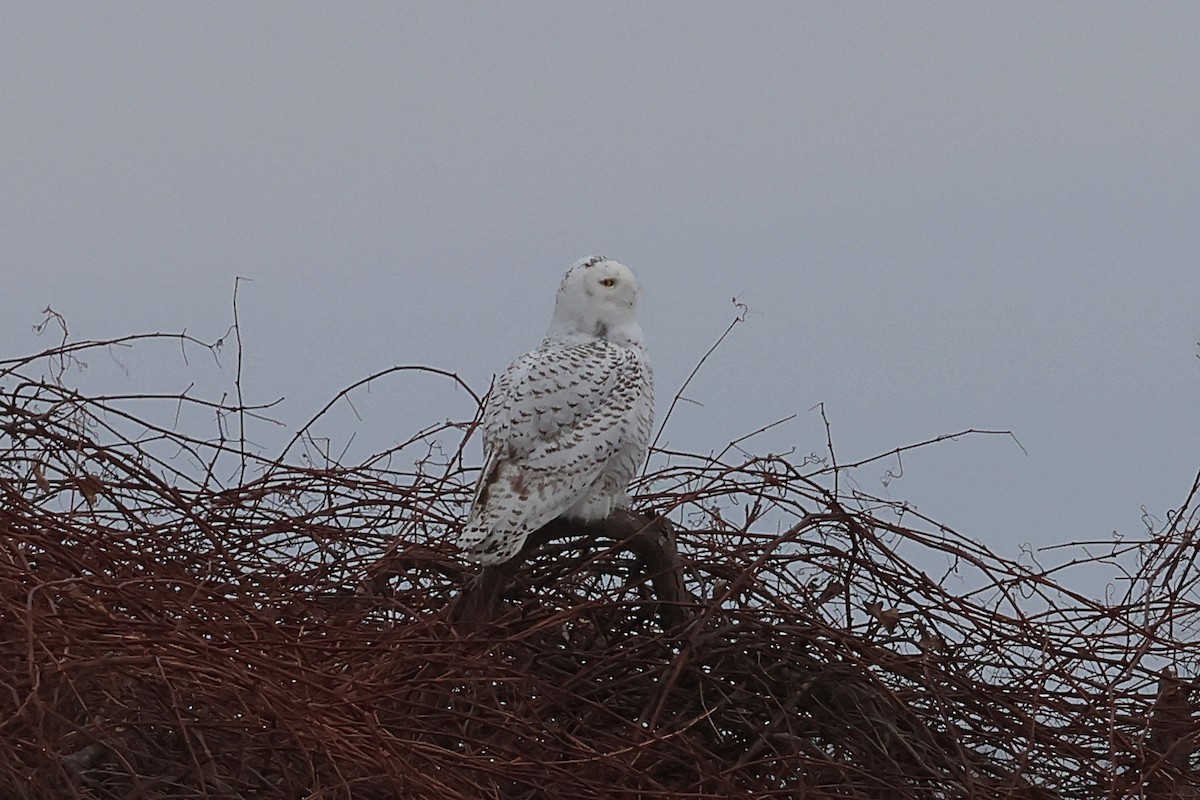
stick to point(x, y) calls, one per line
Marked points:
point(567, 425)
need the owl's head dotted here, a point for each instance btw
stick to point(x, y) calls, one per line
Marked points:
point(598, 298)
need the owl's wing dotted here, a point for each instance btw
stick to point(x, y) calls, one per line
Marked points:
point(555, 418)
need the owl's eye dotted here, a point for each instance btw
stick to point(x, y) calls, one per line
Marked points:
point(609, 282)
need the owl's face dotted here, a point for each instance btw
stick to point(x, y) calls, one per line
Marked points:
point(598, 295)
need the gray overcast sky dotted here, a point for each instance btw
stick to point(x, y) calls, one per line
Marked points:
point(941, 215)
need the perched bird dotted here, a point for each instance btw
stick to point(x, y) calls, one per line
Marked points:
point(567, 425)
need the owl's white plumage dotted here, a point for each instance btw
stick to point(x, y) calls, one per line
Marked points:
point(567, 425)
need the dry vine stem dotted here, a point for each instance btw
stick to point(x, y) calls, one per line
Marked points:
point(651, 539)
point(170, 629)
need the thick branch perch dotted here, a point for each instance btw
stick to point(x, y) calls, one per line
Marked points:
point(651, 538)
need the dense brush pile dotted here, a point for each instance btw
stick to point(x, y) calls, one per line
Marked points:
point(182, 617)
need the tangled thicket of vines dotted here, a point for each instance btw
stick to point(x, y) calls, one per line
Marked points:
point(181, 616)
